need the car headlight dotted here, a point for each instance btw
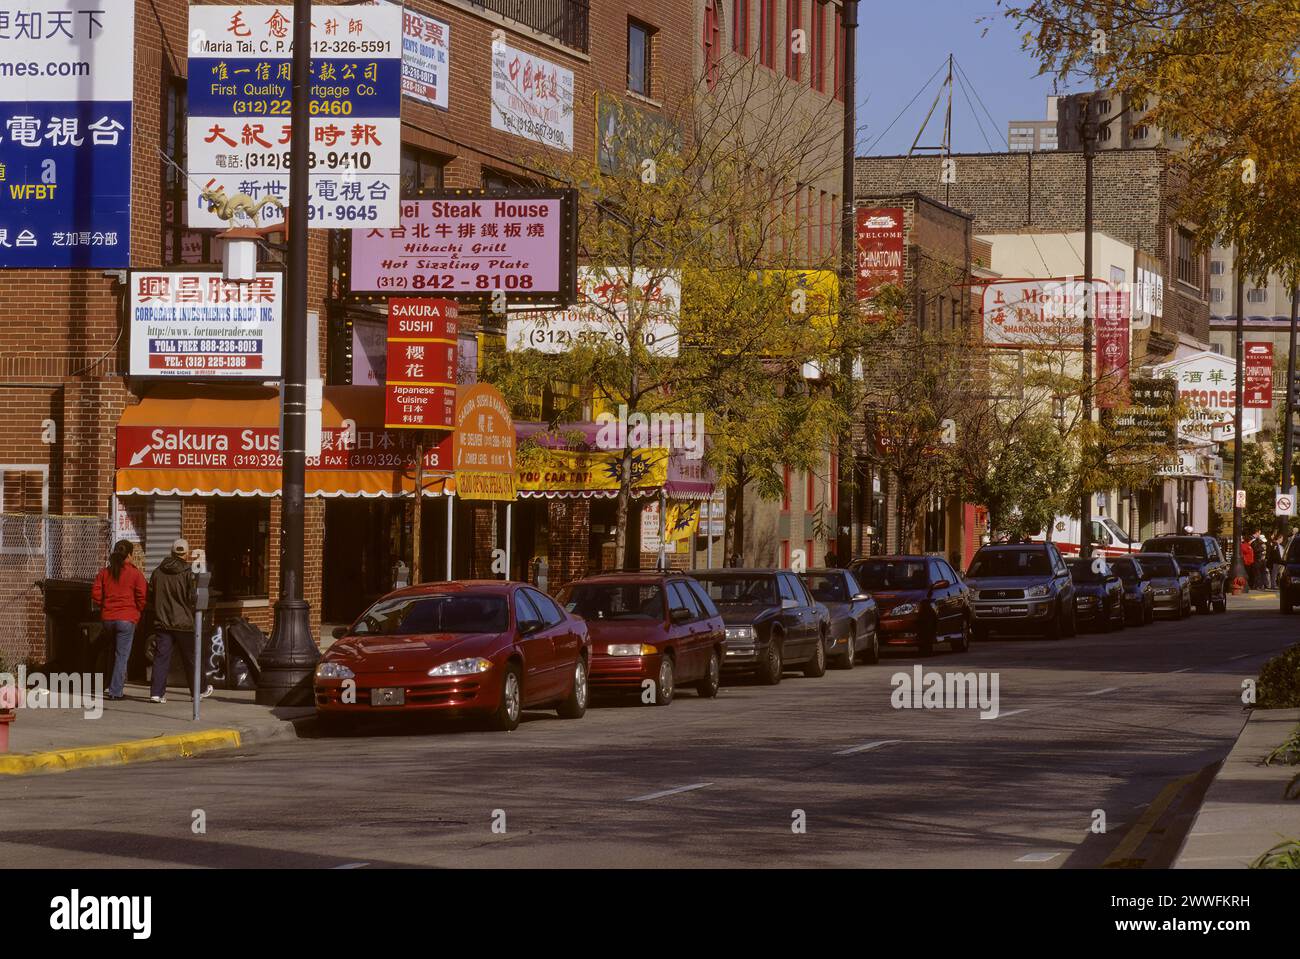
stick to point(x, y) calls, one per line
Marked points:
point(904, 609)
point(1037, 592)
point(333, 671)
point(740, 632)
point(631, 649)
point(462, 667)
point(1086, 600)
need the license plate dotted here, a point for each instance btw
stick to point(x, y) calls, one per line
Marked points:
point(1001, 610)
point(388, 696)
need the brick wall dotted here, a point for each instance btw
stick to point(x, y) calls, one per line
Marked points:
point(570, 528)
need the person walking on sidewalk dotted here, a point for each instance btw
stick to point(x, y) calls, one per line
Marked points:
point(1276, 560)
point(119, 591)
point(1260, 546)
point(1247, 561)
point(173, 591)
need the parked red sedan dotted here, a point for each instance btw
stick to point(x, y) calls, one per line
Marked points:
point(483, 648)
point(650, 628)
point(922, 601)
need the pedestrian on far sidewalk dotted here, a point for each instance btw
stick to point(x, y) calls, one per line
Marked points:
point(1276, 560)
point(1248, 561)
point(174, 593)
point(119, 591)
point(1259, 546)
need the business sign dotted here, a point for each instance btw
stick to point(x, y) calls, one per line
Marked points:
point(1113, 317)
point(551, 471)
point(369, 352)
point(198, 324)
point(258, 448)
point(472, 244)
point(1036, 313)
point(67, 72)
point(1147, 417)
point(531, 97)
point(240, 75)
point(1207, 383)
point(1257, 376)
point(880, 248)
point(600, 314)
point(426, 58)
point(485, 444)
point(420, 380)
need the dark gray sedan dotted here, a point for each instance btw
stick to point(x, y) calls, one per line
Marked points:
point(854, 616)
point(1170, 584)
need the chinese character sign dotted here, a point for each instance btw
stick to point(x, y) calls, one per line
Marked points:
point(66, 74)
point(531, 97)
point(485, 444)
point(1113, 315)
point(601, 314)
point(1207, 383)
point(239, 130)
point(880, 248)
point(202, 325)
point(1034, 313)
point(426, 58)
point(420, 379)
point(1257, 386)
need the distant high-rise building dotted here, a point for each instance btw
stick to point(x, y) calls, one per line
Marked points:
point(1122, 119)
point(1024, 136)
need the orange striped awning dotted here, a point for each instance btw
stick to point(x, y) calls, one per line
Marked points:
point(225, 441)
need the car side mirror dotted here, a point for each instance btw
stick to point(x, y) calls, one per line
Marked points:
point(940, 584)
point(338, 632)
point(858, 597)
point(680, 615)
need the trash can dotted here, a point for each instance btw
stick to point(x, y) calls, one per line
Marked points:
point(67, 613)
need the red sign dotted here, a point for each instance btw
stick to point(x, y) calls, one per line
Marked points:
point(880, 246)
point(1113, 315)
point(258, 448)
point(420, 382)
point(1257, 377)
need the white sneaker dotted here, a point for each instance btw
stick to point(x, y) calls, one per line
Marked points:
point(206, 693)
point(157, 699)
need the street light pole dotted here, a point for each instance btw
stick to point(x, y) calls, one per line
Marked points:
point(1238, 568)
point(1288, 441)
point(289, 660)
point(1089, 132)
point(848, 286)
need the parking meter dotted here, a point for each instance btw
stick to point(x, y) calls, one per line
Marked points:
point(202, 601)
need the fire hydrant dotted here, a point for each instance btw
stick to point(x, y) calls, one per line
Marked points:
point(8, 709)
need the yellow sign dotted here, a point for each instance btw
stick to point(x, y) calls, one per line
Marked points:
point(485, 444)
point(567, 471)
point(682, 519)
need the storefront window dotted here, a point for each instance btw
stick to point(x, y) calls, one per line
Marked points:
point(237, 547)
point(421, 170)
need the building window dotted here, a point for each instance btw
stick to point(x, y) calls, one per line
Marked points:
point(817, 72)
point(740, 26)
point(1216, 296)
point(639, 38)
point(238, 534)
point(793, 22)
point(24, 490)
point(1216, 268)
point(839, 54)
point(1256, 295)
point(421, 170)
point(710, 43)
point(1188, 262)
point(1103, 107)
point(767, 32)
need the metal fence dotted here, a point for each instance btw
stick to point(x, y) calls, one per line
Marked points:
point(35, 548)
point(565, 20)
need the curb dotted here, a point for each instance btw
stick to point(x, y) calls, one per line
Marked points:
point(180, 746)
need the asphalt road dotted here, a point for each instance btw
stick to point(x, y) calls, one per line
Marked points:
point(1130, 724)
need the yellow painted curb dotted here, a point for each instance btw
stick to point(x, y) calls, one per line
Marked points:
point(117, 754)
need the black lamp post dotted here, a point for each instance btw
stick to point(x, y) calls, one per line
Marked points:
point(848, 285)
point(289, 660)
point(1089, 135)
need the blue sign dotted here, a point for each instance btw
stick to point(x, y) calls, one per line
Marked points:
point(65, 135)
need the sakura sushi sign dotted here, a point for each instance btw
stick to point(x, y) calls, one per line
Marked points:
point(420, 388)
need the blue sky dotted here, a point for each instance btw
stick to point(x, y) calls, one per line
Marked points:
point(902, 42)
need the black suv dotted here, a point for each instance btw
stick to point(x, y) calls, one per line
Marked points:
point(1204, 563)
point(1288, 584)
point(1022, 588)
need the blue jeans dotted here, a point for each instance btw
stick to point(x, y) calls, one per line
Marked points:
point(123, 633)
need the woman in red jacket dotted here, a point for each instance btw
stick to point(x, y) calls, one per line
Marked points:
point(120, 591)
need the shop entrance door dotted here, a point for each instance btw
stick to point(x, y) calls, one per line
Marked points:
point(364, 538)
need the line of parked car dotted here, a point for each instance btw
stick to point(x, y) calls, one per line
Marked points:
point(493, 649)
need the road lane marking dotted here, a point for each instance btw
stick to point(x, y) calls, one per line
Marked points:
point(1014, 712)
point(1185, 669)
point(867, 746)
point(1233, 659)
point(1038, 857)
point(669, 792)
point(1098, 692)
point(352, 865)
point(1123, 853)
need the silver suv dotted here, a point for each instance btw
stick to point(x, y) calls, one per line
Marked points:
point(1021, 588)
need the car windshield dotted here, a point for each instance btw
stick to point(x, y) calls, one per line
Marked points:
point(434, 613)
point(736, 589)
point(615, 601)
point(1159, 566)
point(1125, 569)
point(1011, 562)
point(891, 574)
point(826, 587)
point(1082, 571)
point(1182, 548)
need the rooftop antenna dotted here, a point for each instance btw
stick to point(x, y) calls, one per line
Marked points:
point(944, 148)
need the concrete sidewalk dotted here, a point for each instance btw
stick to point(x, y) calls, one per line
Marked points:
point(135, 730)
point(1244, 814)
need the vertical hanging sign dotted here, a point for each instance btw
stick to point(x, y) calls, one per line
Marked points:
point(1113, 318)
point(420, 380)
point(1257, 377)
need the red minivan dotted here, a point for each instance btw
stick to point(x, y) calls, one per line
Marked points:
point(650, 633)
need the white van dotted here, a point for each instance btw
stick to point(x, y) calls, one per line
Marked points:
point(1105, 532)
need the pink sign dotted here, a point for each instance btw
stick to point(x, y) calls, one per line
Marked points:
point(472, 245)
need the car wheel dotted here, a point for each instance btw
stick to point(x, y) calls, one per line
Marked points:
point(962, 642)
point(575, 704)
point(1054, 627)
point(509, 709)
point(1203, 606)
point(1221, 604)
point(871, 654)
point(664, 683)
point(769, 674)
point(1283, 601)
point(708, 686)
point(851, 653)
point(1149, 615)
point(1070, 629)
point(1121, 620)
point(816, 666)
point(925, 642)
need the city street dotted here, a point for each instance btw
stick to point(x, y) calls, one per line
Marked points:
point(1116, 723)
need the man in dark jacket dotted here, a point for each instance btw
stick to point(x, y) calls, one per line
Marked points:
point(172, 591)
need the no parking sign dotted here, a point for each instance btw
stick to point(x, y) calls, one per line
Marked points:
point(1284, 503)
